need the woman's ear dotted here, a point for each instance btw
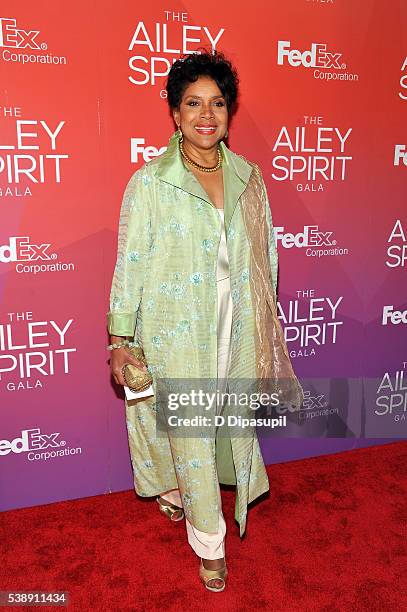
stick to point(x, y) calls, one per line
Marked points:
point(177, 116)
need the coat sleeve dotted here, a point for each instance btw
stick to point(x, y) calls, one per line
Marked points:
point(133, 248)
point(272, 245)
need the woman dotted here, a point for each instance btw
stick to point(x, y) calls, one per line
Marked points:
point(195, 286)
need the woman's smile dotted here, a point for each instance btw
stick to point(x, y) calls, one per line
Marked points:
point(206, 130)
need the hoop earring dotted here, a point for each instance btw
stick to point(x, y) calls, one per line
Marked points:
point(226, 133)
point(180, 134)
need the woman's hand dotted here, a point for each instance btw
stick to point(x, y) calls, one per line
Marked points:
point(120, 357)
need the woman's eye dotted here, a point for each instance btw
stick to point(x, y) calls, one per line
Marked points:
point(219, 103)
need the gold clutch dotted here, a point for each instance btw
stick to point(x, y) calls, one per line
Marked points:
point(136, 379)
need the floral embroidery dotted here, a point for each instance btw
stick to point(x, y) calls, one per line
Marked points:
point(177, 290)
point(207, 244)
point(180, 468)
point(184, 326)
point(117, 303)
point(196, 278)
point(174, 290)
point(244, 275)
point(231, 233)
point(200, 205)
point(133, 256)
point(186, 499)
point(178, 228)
point(235, 294)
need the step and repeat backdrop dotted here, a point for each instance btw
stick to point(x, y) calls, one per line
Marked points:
point(322, 110)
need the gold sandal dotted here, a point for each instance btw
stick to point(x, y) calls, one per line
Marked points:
point(208, 575)
point(174, 513)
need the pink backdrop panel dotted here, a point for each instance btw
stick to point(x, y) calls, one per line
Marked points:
point(323, 94)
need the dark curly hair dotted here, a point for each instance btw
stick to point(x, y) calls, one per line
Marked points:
point(189, 67)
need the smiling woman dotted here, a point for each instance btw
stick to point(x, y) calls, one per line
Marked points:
point(203, 113)
point(195, 285)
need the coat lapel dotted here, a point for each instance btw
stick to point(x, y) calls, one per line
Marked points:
point(236, 174)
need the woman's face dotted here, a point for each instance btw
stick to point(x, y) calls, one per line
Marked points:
point(202, 114)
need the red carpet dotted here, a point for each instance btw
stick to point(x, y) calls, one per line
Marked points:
point(330, 538)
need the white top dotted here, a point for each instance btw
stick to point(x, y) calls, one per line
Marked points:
point(223, 284)
point(223, 262)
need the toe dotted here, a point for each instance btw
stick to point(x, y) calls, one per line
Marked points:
point(215, 583)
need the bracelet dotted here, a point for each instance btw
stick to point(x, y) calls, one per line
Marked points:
point(117, 345)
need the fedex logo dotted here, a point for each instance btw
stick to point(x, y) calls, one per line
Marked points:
point(395, 317)
point(17, 38)
point(400, 155)
point(138, 148)
point(311, 236)
point(312, 402)
point(31, 439)
point(316, 57)
point(19, 248)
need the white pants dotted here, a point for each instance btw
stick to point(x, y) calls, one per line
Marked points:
point(206, 545)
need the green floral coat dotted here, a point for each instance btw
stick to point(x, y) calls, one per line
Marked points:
point(164, 293)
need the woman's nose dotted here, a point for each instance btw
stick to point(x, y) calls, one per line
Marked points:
point(207, 111)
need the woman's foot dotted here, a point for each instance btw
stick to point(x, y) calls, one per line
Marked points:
point(213, 574)
point(213, 564)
